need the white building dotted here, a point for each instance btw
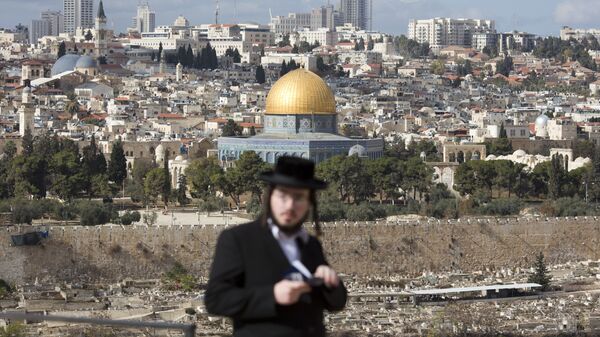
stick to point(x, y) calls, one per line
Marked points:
point(257, 34)
point(78, 13)
point(282, 25)
point(324, 36)
point(562, 128)
point(567, 33)
point(145, 19)
point(481, 40)
point(442, 32)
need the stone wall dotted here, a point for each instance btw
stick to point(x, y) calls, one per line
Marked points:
point(112, 253)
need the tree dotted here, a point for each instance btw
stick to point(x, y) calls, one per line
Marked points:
point(231, 129)
point(556, 176)
point(505, 66)
point(154, 183)
point(540, 274)
point(370, 44)
point(284, 69)
point(260, 75)
point(88, 35)
point(202, 176)
point(285, 41)
point(66, 175)
point(166, 187)
point(62, 50)
point(27, 142)
point(160, 50)
point(321, 64)
point(117, 167)
point(502, 133)
point(252, 131)
point(243, 177)
point(182, 198)
point(438, 67)
point(386, 174)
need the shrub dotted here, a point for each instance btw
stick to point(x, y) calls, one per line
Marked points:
point(4, 288)
point(178, 278)
point(364, 212)
point(212, 204)
point(500, 207)
point(444, 208)
point(94, 213)
point(567, 207)
point(130, 217)
point(149, 218)
point(331, 210)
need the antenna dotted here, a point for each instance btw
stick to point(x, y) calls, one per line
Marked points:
point(270, 14)
point(235, 18)
point(217, 12)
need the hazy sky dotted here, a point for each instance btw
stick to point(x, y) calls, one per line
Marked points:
point(543, 17)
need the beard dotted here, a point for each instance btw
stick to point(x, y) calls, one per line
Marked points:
point(293, 229)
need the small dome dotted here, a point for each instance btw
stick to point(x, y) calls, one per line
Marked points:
point(86, 62)
point(519, 153)
point(357, 150)
point(65, 63)
point(27, 90)
point(541, 121)
point(579, 160)
point(491, 157)
point(179, 158)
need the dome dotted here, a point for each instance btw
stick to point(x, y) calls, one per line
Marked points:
point(519, 153)
point(491, 157)
point(65, 63)
point(85, 62)
point(300, 92)
point(541, 121)
point(179, 158)
point(357, 150)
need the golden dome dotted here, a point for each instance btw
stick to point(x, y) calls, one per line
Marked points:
point(300, 92)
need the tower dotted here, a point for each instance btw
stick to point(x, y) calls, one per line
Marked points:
point(78, 13)
point(101, 34)
point(179, 72)
point(26, 111)
point(163, 63)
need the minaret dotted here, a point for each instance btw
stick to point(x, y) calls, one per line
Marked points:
point(101, 43)
point(179, 72)
point(163, 64)
point(26, 112)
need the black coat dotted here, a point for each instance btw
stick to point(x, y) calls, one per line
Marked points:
point(248, 262)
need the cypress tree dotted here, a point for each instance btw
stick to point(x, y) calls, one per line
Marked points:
point(117, 167)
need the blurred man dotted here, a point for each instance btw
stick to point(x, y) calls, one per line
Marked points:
point(270, 276)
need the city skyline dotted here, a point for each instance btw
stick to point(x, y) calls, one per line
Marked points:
point(389, 16)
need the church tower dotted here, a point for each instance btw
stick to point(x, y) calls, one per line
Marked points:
point(101, 33)
point(26, 112)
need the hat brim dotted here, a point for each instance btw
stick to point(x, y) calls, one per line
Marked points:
point(280, 179)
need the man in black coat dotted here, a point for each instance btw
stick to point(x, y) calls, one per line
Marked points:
point(270, 276)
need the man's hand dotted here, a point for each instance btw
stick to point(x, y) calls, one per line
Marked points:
point(329, 276)
point(288, 292)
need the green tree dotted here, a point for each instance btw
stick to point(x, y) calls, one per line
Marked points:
point(284, 69)
point(243, 177)
point(502, 133)
point(117, 167)
point(386, 174)
point(556, 177)
point(88, 35)
point(505, 66)
point(438, 67)
point(27, 142)
point(160, 51)
point(260, 75)
point(203, 175)
point(182, 198)
point(67, 178)
point(62, 50)
point(540, 274)
point(154, 183)
point(166, 187)
point(231, 129)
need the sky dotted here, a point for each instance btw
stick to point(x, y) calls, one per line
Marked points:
point(542, 17)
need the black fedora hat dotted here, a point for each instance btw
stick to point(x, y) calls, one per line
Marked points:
point(294, 172)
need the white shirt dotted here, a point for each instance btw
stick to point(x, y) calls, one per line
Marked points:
point(288, 242)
